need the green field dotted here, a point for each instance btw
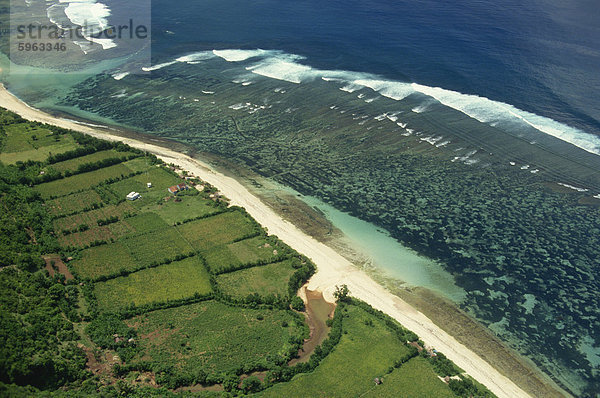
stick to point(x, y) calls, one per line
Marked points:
point(233, 255)
point(146, 222)
point(210, 232)
point(363, 353)
point(263, 280)
point(415, 378)
point(157, 246)
point(104, 260)
point(160, 178)
point(177, 280)
point(82, 181)
point(24, 142)
point(83, 239)
point(213, 336)
point(131, 253)
point(73, 203)
point(73, 164)
point(189, 207)
point(91, 217)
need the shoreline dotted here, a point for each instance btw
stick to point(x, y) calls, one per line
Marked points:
point(332, 268)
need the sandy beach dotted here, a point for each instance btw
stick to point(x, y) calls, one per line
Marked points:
point(332, 268)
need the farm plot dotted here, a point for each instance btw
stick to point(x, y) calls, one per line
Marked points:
point(84, 238)
point(82, 181)
point(416, 378)
point(212, 336)
point(160, 179)
point(104, 260)
point(263, 280)
point(145, 222)
point(73, 164)
point(234, 255)
point(157, 246)
point(186, 208)
point(177, 280)
point(220, 229)
point(367, 349)
point(73, 203)
point(23, 142)
point(90, 218)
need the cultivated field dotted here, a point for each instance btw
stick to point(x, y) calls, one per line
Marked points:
point(177, 280)
point(73, 164)
point(213, 336)
point(177, 211)
point(160, 178)
point(415, 378)
point(104, 260)
point(263, 280)
point(82, 181)
point(234, 255)
point(73, 203)
point(91, 217)
point(217, 230)
point(367, 349)
point(25, 142)
point(157, 246)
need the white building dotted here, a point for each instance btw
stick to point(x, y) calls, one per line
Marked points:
point(133, 196)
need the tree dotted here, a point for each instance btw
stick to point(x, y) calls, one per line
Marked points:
point(297, 304)
point(251, 384)
point(230, 382)
point(341, 292)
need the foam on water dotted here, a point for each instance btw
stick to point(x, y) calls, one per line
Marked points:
point(195, 57)
point(158, 66)
point(242, 55)
point(282, 69)
point(488, 111)
point(279, 65)
point(390, 89)
point(120, 75)
point(92, 16)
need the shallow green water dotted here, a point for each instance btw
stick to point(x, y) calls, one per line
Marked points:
point(388, 255)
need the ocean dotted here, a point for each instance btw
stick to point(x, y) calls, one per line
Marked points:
point(312, 94)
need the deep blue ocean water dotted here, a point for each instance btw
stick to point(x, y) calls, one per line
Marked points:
point(541, 56)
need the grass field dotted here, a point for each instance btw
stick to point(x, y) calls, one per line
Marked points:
point(91, 217)
point(363, 353)
point(146, 222)
point(72, 203)
point(189, 207)
point(130, 253)
point(210, 232)
point(212, 336)
point(415, 378)
point(104, 260)
point(83, 239)
point(24, 142)
point(160, 178)
point(177, 280)
point(73, 164)
point(82, 181)
point(264, 280)
point(157, 246)
point(246, 251)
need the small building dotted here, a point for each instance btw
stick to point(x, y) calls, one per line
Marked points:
point(133, 196)
point(176, 188)
point(149, 185)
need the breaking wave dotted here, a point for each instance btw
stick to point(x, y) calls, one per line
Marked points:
point(276, 64)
